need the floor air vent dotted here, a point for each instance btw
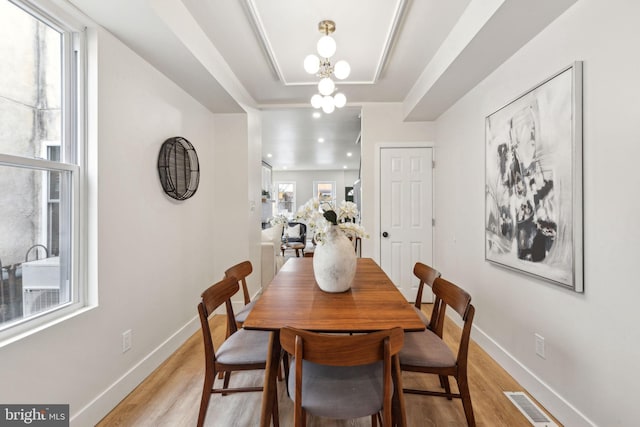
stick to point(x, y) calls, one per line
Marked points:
point(536, 417)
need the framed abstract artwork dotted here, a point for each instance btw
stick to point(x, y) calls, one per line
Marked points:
point(533, 181)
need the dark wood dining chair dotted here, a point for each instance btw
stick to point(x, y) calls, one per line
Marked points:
point(427, 352)
point(240, 271)
point(426, 275)
point(342, 376)
point(243, 350)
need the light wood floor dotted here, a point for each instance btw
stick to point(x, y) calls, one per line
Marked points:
point(171, 395)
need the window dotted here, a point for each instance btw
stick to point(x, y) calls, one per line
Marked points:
point(286, 192)
point(40, 168)
point(324, 191)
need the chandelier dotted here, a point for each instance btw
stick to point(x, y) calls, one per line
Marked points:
point(322, 67)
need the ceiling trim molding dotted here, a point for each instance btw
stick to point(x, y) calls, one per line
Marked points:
point(258, 28)
point(178, 19)
point(391, 38)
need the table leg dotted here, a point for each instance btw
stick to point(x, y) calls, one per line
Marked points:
point(399, 413)
point(270, 392)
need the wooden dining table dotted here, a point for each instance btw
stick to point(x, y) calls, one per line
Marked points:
point(294, 299)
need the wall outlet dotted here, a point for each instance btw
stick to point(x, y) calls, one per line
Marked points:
point(540, 345)
point(126, 340)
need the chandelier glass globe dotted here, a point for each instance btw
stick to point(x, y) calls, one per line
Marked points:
point(328, 106)
point(311, 64)
point(326, 46)
point(342, 69)
point(340, 100)
point(326, 86)
point(316, 101)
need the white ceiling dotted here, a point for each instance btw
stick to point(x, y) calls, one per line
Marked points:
point(298, 141)
point(233, 54)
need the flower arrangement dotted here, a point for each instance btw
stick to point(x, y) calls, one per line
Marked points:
point(279, 219)
point(319, 216)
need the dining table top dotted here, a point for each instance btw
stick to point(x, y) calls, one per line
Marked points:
point(294, 299)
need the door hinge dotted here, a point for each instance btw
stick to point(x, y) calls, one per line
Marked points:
point(433, 222)
point(433, 164)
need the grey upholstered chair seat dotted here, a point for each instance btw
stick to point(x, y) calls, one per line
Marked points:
point(242, 350)
point(422, 316)
point(425, 349)
point(241, 315)
point(244, 347)
point(340, 392)
point(427, 353)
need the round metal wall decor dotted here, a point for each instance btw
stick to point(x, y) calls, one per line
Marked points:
point(178, 168)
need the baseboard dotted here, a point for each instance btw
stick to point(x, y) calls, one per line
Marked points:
point(95, 410)
point(562, 410)
point(110, 397)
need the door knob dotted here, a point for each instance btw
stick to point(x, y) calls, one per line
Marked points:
point(385, 234)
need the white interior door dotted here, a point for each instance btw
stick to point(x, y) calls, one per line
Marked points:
point(406, 214)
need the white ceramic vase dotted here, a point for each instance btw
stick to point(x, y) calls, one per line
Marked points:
point(334, 261)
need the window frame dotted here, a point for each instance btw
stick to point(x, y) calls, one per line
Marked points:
point(277, 197)
point(316, 191)
point(73, 160)
point(47, 201)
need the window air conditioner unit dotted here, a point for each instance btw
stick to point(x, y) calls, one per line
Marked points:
point(37, 300)
point(40, 285)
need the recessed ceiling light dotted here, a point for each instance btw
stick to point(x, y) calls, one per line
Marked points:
point(316, 115)
point(320, 140)
point(284, 167)
point(344, 167)
point(349, 154)
point(269, 155)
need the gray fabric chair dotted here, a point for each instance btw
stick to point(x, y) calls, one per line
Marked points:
point(343, 376)
point(242, 350)
point(427, 352)
point(302, 235)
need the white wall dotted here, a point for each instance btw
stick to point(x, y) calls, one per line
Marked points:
point(254, 196)
point(231, 209)
point(154, 255)
point(592, 341)
point(382, 124)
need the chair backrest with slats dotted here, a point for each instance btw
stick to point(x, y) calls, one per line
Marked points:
point(450, 295)
point(240, 272)
point(212, 298)
point(427, 275)
point(302, 236)
point(343, 350)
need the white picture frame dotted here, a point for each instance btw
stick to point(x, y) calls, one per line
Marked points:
point(533, 181)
